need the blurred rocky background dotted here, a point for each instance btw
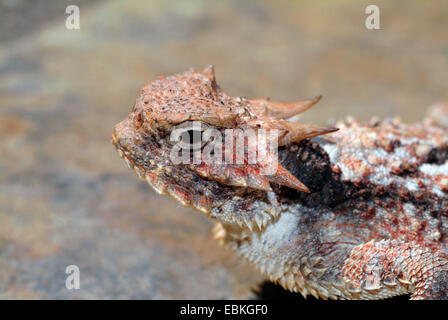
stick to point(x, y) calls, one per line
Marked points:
point(65, 195)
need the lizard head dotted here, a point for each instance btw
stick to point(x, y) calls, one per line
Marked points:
point(189, 139)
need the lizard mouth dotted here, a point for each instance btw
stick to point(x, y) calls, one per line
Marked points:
point(146, 155)
point(140, 155)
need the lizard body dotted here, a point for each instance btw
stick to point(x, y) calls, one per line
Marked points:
point(360, 213)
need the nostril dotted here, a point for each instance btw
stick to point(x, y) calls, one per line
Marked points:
point(138, 121)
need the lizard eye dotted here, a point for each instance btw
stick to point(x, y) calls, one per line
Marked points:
point(193, 138)
point(190, 135)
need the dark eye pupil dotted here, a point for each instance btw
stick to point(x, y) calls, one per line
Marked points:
point(193, 138)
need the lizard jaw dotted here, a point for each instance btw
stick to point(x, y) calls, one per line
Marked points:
point(211, 198)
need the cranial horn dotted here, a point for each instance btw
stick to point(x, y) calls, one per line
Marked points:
point(295, 131)
point(283, 110)
point(285, 178)
point(289, 132)
point(209, 72)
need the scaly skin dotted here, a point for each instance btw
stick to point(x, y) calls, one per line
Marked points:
point(361, 213)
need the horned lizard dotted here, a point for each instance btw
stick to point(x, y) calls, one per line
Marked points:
point(359, 213)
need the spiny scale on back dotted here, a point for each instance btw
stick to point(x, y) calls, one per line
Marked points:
point(359, 214)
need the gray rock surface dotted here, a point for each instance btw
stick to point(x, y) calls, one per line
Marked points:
point(66, 196)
